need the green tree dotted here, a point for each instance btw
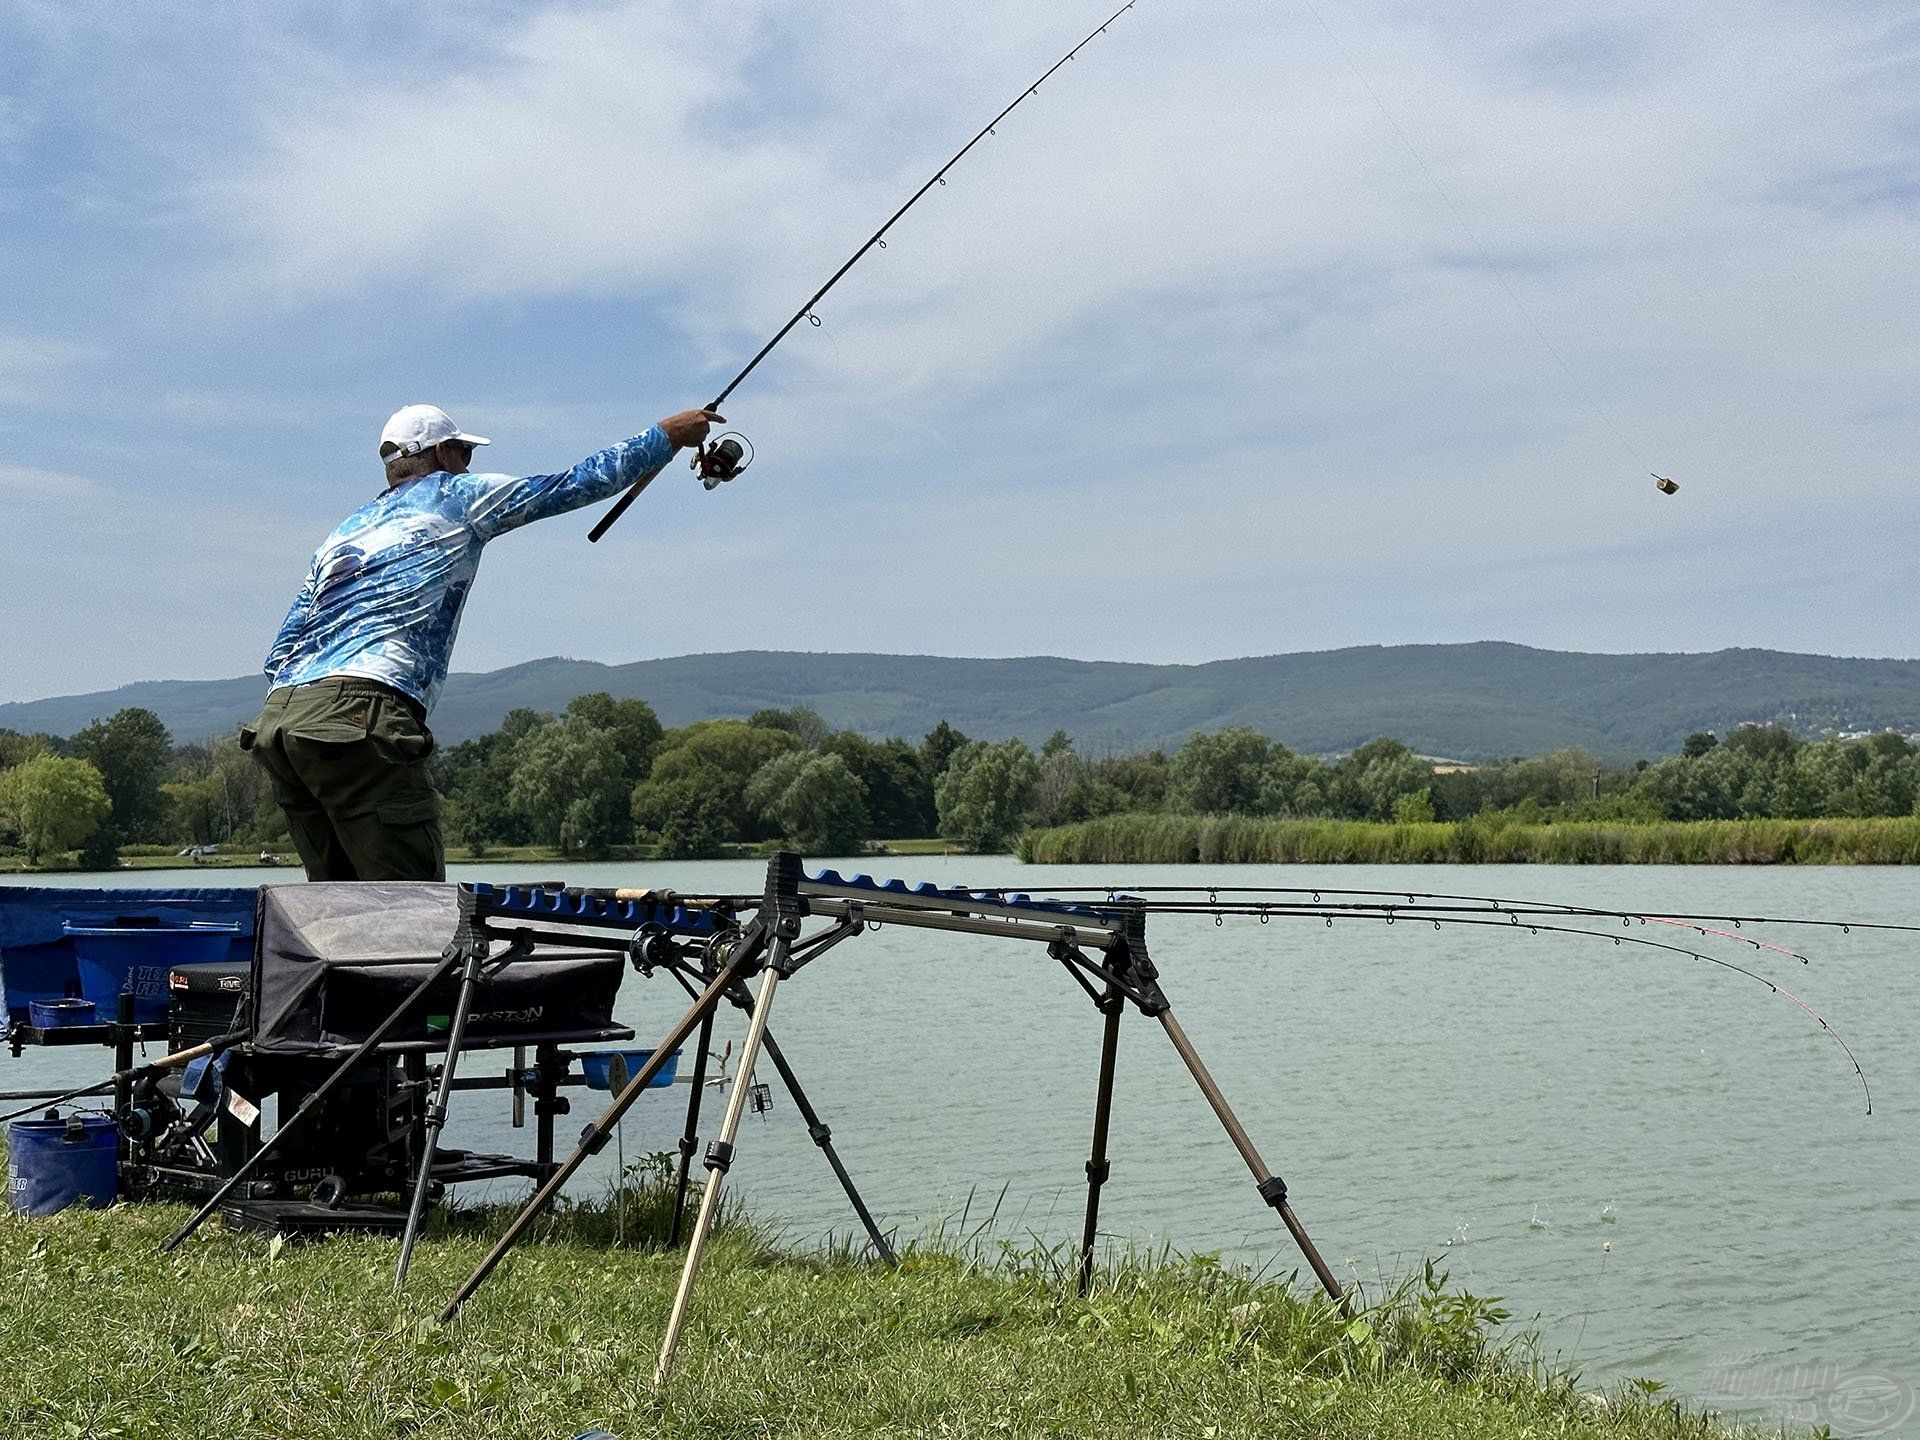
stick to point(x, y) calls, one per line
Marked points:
point(1140, 780)
point(803, 722)
point(475, 778)
point(1414, 809)
point(986, 794)
point(937, 750)
point(54, 803)
point(133, 753)
point(1292, 785)
point(1698, 744)
point(688, 813)
point(569, 785)
point(694, 796)
point(1368, 784)
point(899, 794)
point(16, 747)
point(1219, 773)
point(636, 736)
point(814, 800)
point(196, 810)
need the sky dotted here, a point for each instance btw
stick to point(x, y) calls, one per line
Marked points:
point(1259, 328)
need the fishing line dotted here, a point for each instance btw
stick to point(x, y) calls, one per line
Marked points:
point(1460, 219)
point(878, 238)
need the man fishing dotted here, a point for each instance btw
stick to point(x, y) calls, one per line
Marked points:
point(362, 655)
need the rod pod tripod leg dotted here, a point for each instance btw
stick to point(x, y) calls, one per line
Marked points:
point(690, 1136)
point(720, 1159)
point(1272, 1188)
point(1111, 1004)
point(596, 1136)
point(817, 1130)
point(822, 1136)
point(326, 1087)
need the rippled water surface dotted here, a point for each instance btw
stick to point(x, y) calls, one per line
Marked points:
point(1661, 1165)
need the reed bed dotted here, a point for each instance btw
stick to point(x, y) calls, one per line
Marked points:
point(1157, 839)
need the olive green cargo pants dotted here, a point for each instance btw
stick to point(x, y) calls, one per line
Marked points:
point(348, 760)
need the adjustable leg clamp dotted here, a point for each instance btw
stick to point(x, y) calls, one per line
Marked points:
point(719, 1156)
point(1097, 1174)
point(820, 1134)
point(1273, 1190)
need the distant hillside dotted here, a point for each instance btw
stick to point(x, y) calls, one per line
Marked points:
point(1467, 701)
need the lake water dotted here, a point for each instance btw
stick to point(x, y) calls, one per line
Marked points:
point(1661, 1166)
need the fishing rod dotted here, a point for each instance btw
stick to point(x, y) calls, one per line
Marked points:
point(1388, 910)
point(726, 457)
point(1488, 912)
point(1501, 904)
point(1537, 927)
point(137, 1072)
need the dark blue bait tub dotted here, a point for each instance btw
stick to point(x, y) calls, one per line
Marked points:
point(52, 1164)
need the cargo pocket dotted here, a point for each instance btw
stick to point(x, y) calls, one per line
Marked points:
point(405, 739)
point(326, 729)
point(419, 810)
point(247, 737)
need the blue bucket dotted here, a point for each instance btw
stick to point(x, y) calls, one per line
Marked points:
point(59, 1014)
point(113, 959)
point(597, 1066)
point(51, 1164)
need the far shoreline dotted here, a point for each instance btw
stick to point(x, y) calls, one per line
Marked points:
point(1160, 839)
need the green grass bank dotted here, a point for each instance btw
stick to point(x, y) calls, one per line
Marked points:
point(1234, 839)
point(104, 1337)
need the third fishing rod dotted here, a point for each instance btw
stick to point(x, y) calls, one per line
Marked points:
point(727, 456)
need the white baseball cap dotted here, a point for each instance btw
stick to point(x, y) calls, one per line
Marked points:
point(421, 427)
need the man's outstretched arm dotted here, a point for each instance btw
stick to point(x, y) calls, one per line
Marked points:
point(499, 503)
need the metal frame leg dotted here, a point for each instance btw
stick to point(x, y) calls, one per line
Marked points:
point(437, 1112)
point(817, 1130)
point(1273, 1189)
point(1111, 1004)
point(690, 1136)
point(720, 1160)
point(597, 1134)
point(823, 1137)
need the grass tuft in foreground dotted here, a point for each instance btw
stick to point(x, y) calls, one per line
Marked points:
point(235, 1336)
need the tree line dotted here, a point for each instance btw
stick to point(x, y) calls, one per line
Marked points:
point(604, 775)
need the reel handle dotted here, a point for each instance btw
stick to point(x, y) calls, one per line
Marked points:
point(721, 459)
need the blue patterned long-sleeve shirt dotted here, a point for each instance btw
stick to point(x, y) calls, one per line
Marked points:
point(383, 597)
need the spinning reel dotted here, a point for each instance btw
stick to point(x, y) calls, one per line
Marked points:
point(720, 460)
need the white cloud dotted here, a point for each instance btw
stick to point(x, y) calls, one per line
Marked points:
point(25, 482)
point(1195, 310)
point(36, 368)
point(602, 152)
